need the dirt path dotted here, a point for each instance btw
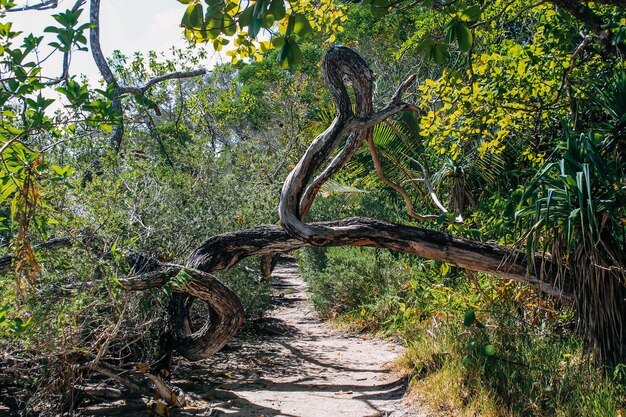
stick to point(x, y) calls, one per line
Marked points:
point(299, 367)
point(296, 366)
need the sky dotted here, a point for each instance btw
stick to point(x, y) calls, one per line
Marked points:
point(126, 25)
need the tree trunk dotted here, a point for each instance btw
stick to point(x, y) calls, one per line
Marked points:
point(224, 251)
point(225, 319)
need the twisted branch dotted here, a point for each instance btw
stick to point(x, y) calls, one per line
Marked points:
point(340, 64)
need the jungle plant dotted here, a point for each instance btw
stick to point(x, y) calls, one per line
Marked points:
point(577, 209)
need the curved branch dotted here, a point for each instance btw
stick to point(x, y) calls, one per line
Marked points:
point(170, 76)
point(338, 63)
point(44, 5)
point(352, 146)
point(226, 309)
point(382, 115)
point(405, 196)
point(224, 251)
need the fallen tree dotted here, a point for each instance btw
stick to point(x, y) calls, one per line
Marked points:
point(224, 251)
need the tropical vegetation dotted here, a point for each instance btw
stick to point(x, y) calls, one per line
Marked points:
point(506, 137)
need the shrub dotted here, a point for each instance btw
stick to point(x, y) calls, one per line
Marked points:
point(342, 279)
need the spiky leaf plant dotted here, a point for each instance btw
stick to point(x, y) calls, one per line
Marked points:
point(578, 210)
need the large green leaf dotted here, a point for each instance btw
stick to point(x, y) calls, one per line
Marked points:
point(463, 36)
point(229, 27)
point(471, 14)
point(301, 25)
point(277, 8)
point(193, 17)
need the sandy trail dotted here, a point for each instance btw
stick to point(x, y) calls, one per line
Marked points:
point(296, 366)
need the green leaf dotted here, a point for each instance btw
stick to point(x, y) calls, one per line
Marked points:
point(254, 27)
point(277, 8)
point(439, 53)
point(463, 36)
point(229, 27)
point(278, 41)
point(294, 56)
point(214, 7)
point(193, 17)
point(260, 9)
point(290, 54)
point(7, 190)
point(268, 21)
point(488, 350)
point(301, 25)
point(181, 280)
point(246, 17)
point(282, 54)
point(197, 16)
point(471, 14)
point(425, 46)
point(290, 23)
point(185, 1)
point(469, 318)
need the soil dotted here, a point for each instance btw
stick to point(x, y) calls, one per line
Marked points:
point(294, 365)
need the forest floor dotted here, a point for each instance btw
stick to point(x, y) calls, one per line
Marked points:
point(293, 364)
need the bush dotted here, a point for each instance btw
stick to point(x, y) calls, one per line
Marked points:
point(532, 367)
point(342, 279)
point(254, 293)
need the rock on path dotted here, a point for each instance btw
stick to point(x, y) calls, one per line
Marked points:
point(299, 367)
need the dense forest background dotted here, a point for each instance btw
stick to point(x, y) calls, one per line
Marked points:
point(514, 137)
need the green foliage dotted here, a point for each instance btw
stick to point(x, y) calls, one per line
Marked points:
point(500, 351)
point(350, 277)
point(243, 23)
point(578, 190)
point(69, 34)
point(497, 81)
point(254, 293)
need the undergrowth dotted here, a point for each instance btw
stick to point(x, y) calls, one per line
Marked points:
point(476, 345)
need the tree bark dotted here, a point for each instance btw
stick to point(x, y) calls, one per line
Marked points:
point(224, 251)
point(226, 312)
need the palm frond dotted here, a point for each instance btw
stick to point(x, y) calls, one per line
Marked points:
point(334, 188)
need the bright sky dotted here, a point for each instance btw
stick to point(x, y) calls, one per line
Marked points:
point(126, 25)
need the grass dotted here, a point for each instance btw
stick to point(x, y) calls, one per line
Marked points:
point(516, 354)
